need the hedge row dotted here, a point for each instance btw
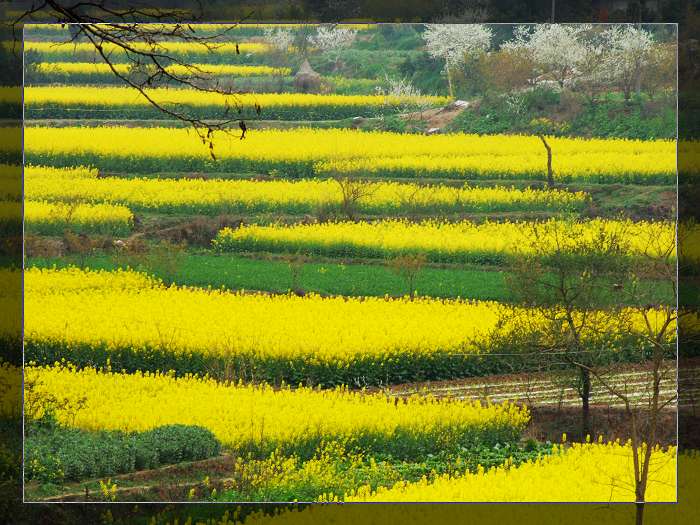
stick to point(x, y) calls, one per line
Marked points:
point(54, 454)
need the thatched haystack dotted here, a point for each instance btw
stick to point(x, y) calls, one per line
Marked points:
point(306, 79)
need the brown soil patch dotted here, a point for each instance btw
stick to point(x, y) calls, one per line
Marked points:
point(435, 118)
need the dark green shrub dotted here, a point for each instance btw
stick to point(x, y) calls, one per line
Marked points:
point(541, 98)
point(176, 443)
point(54, 453)
point(57, 454)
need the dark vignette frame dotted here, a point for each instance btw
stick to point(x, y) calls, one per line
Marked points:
point(11, 508)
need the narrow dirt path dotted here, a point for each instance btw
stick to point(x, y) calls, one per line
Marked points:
point(439, 118)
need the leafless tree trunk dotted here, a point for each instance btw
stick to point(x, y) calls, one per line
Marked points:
point(448, 69)
point(550, 174)
point(352, 191)
point(585, 402)
point(659, 323)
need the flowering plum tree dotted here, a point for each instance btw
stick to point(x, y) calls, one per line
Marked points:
point(557, 50)
point(629, 51)
point(456, 43)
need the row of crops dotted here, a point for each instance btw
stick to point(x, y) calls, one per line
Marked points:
point(201, 196)
point(303, 152)
point(134, 323)
point(116, 102)
point(453, 242)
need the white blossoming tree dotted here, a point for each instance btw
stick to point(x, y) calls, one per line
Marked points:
point(629, 51)
point(558, 50)
point(331, 40)
point(280, 39)
point(593, 75)
point(456, 43)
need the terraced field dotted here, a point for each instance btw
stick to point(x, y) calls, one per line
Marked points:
point(329, 300)
point(543, 390)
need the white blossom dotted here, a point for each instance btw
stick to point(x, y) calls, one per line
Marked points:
point(332, 38)
point(628, 51)
point(280, 39)
point(400, 87)
point(557, 49)
point(455, 42)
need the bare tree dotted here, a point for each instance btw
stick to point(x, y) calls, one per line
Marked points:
point(550, 173)
point(352, 191)
point(408, 267)
point(296, 263)
point(564, 279)
point(644, 404)
point(163, 259)
point(137, 34)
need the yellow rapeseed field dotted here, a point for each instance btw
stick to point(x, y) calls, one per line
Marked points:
point(42, 281)
point(124, 96)
point(260, 418)
point(592, 472)
point(308, 152)
point(50, 172)
point(685, 512)
point(440, 241)
point(227, 196)
point(189, 48)
point(90, 317)
point(569, 167)
point(215, 322)
point(55, 217)
point(103, 69)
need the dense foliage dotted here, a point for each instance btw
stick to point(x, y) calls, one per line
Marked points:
point(55, 453)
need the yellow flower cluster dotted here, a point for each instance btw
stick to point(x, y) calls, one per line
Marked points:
point(683, 513)
point(566, 167)
point(303, 151)
point(44, 281)
point(592, 472)
point(50, 172)
point(189, 48)
point(261, 418)
point(103, 69)
point(11, 178)
point(227, 196)
point(440, 241)
point(94, 317)
point(125, 96)
point(122, 313)
point(55, 217)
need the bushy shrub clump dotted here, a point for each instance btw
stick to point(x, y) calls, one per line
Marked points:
point(55, 453)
